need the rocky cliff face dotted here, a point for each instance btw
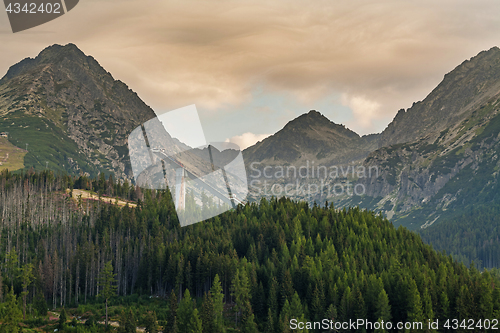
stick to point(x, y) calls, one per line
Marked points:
point(441, 155)
point(432, 161)
point(433, 178)
point(71, 112)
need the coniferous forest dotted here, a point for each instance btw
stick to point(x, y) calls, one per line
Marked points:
point(251, 269)
point(471, 237)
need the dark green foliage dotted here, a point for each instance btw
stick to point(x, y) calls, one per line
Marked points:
point(63, 317)
point(10, 314)
point(128, 323)
point(151, 322)
point(189, 319)
point(307, 262)
point(172, 314)
point(107, 284)
point(40, 305)
point(470, 237)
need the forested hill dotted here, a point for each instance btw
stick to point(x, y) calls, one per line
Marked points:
point(277, 260)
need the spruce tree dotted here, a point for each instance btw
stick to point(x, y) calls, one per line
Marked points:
point(40, 304)
point(107, 284)
point(217, 300)
point(208, 314)
point(269, 327)
point(195, 325)
point(172, 314)
point(415, 312)
point(63, 317)
point(26, 278)
point(151, 322)
point(383, 308)
point(12, 315)
point(185, 313)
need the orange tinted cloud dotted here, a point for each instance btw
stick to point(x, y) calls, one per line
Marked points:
point(214, 53)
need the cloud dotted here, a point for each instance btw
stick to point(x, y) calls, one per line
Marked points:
point(365, 112)
point(214, 53)
point(247, 139)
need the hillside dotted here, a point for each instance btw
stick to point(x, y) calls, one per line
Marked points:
point(11, 157)
point(268, 262)
point(71, 112)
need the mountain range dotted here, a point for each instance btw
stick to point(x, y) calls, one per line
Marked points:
point(432, 162)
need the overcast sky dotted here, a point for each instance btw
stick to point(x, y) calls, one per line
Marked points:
point(250, 66)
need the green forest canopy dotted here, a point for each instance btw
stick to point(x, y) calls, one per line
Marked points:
point(276, 259)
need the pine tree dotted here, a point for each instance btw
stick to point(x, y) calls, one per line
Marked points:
point(195, 325)
point(272, 301)
point(12, 315)
point(185, 313)
point(208, 314)
point(172, 314)
point(106, 283)
point(269, 328)
point(63, 317)
point(128, 322)
point(359, 307)
point(383, 308)
point(415, 313)
point(287, 287)
point(151, 322)
point(485, 301)
point(331, 313)
point(381, 325)
point(444, 305)
point(40, 304)
point(241, 292)
point(217, 298)
point(26, 278)
point(317, 304)
point(284, 318)
point(427, 304)
point(12, 268)
point(464, 303)
point(346, 304)
point(496, 302)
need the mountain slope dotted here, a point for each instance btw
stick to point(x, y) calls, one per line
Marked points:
point(309, 137)
point(462, 91)
point(71, 112)
point(454, 164)
point(433, 161)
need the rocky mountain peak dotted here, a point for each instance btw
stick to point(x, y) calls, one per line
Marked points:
point(314, 120)
point(65, 91)
point(462, 90)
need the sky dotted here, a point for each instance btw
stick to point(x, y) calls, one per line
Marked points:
point(250, 66)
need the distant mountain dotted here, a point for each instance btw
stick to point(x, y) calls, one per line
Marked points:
point(311, 137)
point(453, 164)
point(433, 161)
point(71, 112)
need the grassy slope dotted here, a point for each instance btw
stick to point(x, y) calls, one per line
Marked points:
point(46, 143)
point(11, 157)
